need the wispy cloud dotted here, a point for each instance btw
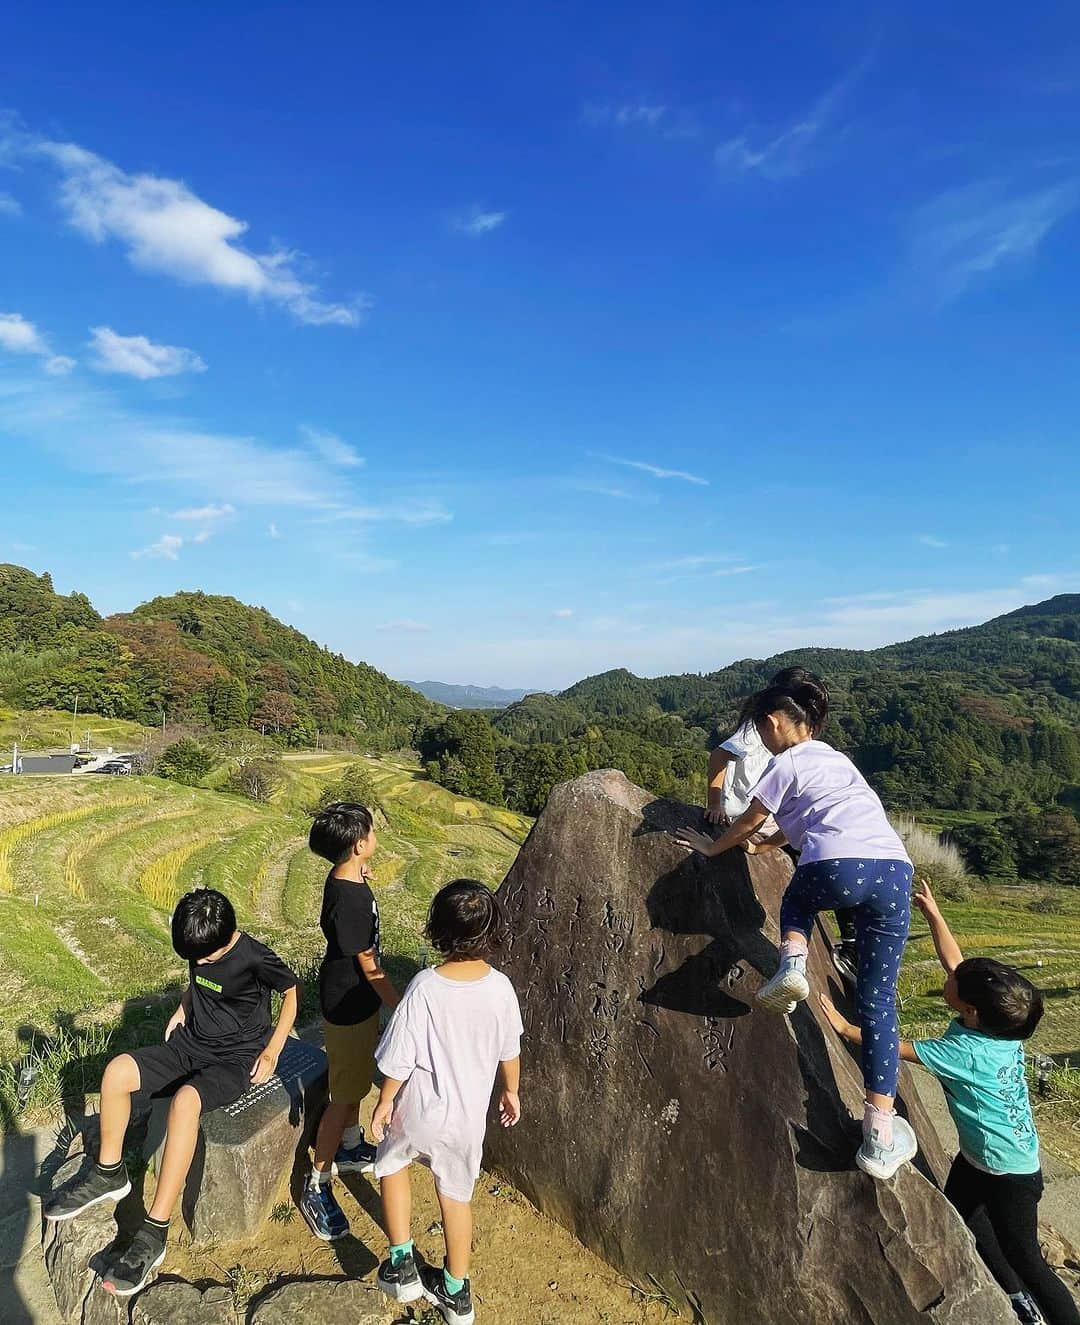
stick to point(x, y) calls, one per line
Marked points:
point(20, 336)
point(404, 626)
point(929, 540)
point(628, 114)
point(606, 490)
point(413, 512)
point(697, 561)
point(137, 356)
point(167, 548)
point(166, 228)
point(9, 206)
point(969, 233)
point(658, 471)
point(790, 151)
point(563, 612)
point(272, 530)
point(204, 513)
point(737, 570)
point(331, 448)
point(479, 221)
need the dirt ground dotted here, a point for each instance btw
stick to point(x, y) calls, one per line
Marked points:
point(526, 1269)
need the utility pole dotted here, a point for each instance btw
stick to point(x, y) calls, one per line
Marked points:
point(15, 759)
point(74, 719)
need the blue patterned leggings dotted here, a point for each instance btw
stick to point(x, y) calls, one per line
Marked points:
point(879, 893)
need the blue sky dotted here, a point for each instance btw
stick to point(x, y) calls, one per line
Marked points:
point(508, 343)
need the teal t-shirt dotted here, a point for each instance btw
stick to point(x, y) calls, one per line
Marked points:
point(984, 1084)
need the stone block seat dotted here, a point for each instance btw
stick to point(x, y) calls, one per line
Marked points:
point(246, 1148)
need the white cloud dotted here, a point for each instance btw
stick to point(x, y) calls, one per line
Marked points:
point(404, 626)
point(168, 229)
point(658, 471)
point(627, 115)
point(737, 570)
point(789, 153)
point(167, 547)
point(273, 530)
point(9, 206)
point(20, 336)
point(410, 512)
point(928, 540)
point(331, 447)
point(59, 365)
point(136, 356)
point(203, 513)
point(966, 234)
point(476, 221)
point(563, 612)
point(203, 536)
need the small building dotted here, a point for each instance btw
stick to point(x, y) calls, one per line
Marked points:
point(46, 764)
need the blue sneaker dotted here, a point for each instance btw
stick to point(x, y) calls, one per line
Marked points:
point(325, 1217)
point(354, 1159)
point(882, 1161)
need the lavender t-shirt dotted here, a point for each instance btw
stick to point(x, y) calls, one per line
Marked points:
point(825, 807)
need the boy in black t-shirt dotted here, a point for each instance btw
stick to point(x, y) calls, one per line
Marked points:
point(352, 989)
point(218, 1042)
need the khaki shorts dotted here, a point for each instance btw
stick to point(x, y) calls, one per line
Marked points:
point(350, 1054)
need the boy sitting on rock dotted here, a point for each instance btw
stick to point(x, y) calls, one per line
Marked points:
point(218, 1043)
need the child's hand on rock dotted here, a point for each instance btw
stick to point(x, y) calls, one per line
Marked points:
point(263, 1067)
point(693, 840)
point(836, 1021)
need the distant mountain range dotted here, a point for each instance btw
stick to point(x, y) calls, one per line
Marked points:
point(467, 697)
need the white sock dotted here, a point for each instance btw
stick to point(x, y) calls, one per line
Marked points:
point(878, 1123)
point(352, 1137)
point(793, 955)
point(317, 1179)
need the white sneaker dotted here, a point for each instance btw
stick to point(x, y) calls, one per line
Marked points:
point(883, 1161)
point(784, 991)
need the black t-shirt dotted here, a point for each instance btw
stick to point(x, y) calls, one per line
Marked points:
point(350, 921)
point(230, 999)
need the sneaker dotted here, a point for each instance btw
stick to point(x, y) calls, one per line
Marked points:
point(87, 1189)
point(401, 1281)
point(1027, 1312)
point(355, 1159)
point(456, 1309)
point(788, 987)
point(846, 960)
point(131, 1271)
point(883, 1161)
point(319, 1206)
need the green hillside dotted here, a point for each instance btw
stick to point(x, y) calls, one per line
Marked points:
point(200, 659)
point(91, 867)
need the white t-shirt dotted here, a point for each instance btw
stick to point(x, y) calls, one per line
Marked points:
point(825, 807)
point(446, 1040)
point(750, 762)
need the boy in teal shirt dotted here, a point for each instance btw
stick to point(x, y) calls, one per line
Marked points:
point(996, 1180)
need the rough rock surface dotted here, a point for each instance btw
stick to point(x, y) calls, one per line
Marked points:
point(175, 1302)
point(677, 1132)
point(246, 1148)
point(323, 1302)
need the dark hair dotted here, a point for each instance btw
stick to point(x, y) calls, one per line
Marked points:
point(203, 922)
point(1009, 1006)
point(338, 828)
point(465, 920)
point(801, 695)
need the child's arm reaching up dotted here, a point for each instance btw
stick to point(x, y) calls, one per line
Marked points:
point(948, 950)
point(509, 1103)
point(853, 1034)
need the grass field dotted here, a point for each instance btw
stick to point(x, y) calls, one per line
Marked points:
point(47, 729)
point(90, 868)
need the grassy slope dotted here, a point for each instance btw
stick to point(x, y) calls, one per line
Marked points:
point(89, 868)
point(48, 729)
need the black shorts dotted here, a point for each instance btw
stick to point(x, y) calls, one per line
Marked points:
point(164, 1068)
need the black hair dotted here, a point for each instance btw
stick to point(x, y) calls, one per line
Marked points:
point(801, 695)
point(203, 922)
point(465, 921)
point(1009, 1006)
point(338, 828)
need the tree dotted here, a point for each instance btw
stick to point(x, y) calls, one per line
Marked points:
point(185, 761)
point(258, 779)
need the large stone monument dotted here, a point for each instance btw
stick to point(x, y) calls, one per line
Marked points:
point(679, 1133)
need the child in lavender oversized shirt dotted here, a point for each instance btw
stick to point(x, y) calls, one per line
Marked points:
point(457, 1028)
point(850, 856)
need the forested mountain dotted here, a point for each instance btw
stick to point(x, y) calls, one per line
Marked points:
point(981, 719)
point(206, 660)
point(466, 697)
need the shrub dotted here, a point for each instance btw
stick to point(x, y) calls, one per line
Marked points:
point(1047, 904)
point(258, 779)
point(936, 860)
point(185, 761)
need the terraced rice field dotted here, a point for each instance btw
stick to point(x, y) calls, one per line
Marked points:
point(91, 866)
